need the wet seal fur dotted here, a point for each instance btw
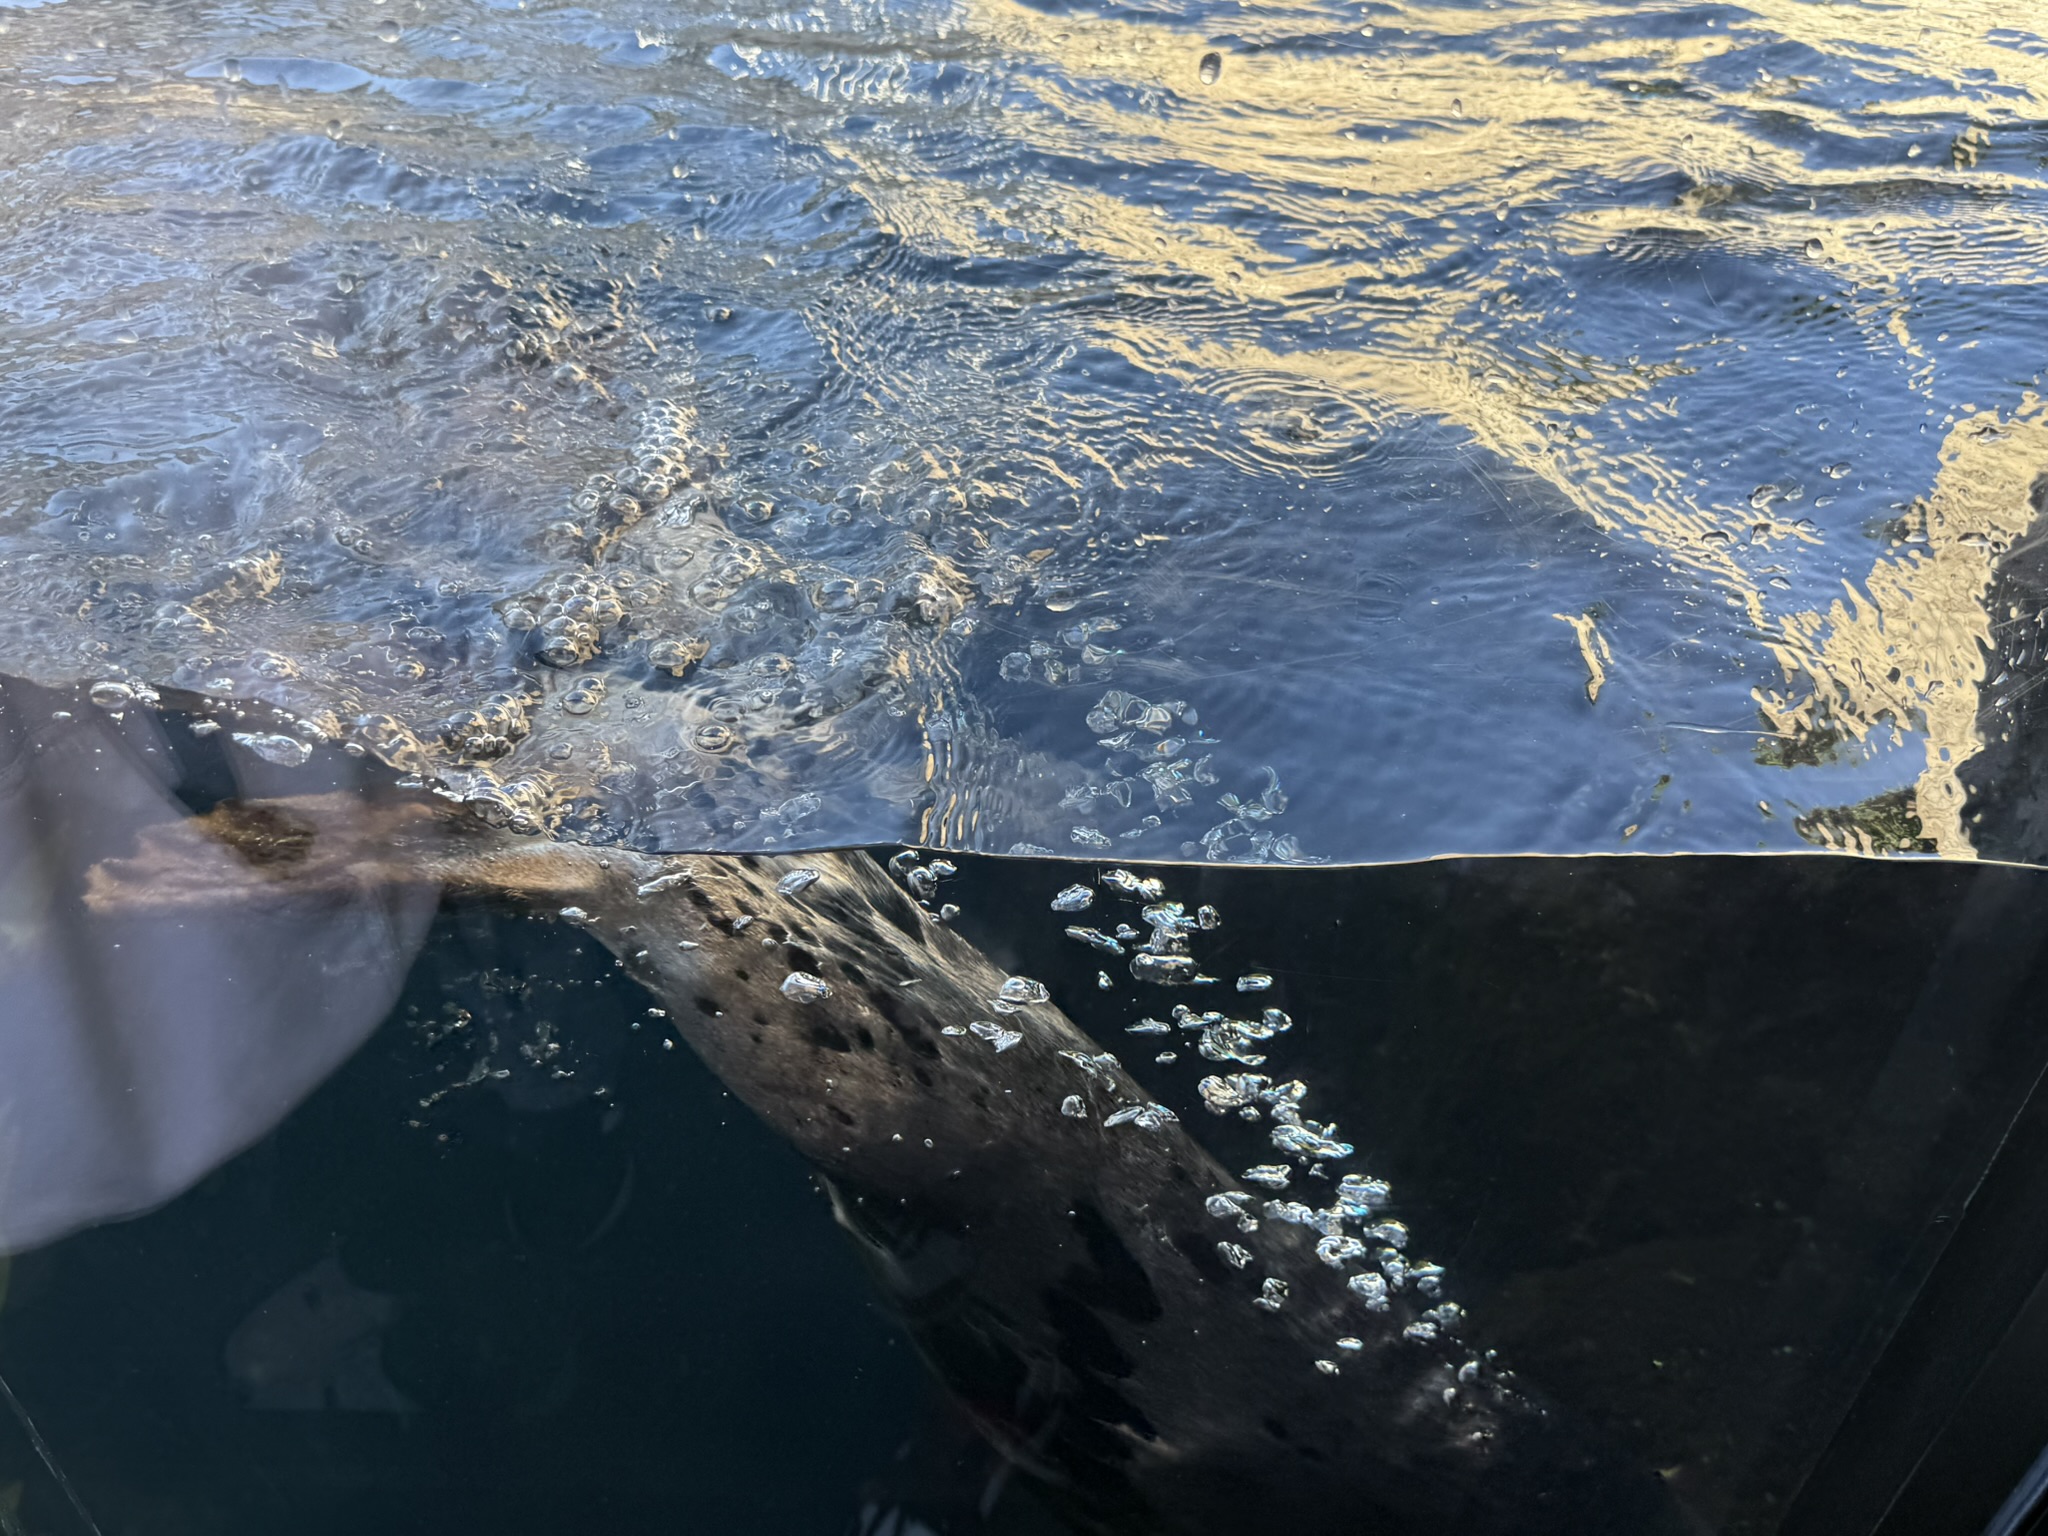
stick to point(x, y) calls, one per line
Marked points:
point(1061, 1277)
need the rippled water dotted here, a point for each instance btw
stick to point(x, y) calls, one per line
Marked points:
point(1521, 427)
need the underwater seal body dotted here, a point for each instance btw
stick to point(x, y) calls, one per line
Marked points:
point(1060, 1276)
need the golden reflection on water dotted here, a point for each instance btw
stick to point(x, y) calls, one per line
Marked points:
point(1907, 650)
point(1711, 276)
point(1424, 170)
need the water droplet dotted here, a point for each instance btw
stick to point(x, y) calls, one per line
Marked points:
point(1073, 1108)
point(1327, 1367)
point(112, 695)
point(1457, 106)
point(1272, 1295)
point(796, 880)
point(803, 987)
point(1813, 249)
point(1257, 981)
point(1269, 1175)
point(1837, 471)
point(712, 737)
point(1211, 67)
point(1233, 1255)
point(573, 915)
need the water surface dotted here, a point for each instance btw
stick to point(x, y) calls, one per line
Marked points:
point(1560, 427)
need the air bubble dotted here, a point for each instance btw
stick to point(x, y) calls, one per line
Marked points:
point(1226, 1207)
point(1164, 970)
point(676, 657)
point(1094, 938)
point(1337, 1250)
point(1310, 1140)
point(1360, 1196)
point(803, 987)
point(795, 881)
point(1023, 991)
point(285, 751)
point(1146, 1117)
point(1002, 1039)
point(1135, 887)
point(1371, 1289)
point(1210, 68)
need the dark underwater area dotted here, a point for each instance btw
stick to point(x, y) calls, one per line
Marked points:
point(1737, 1158)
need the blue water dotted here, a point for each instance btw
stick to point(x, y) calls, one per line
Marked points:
point(1565, 427)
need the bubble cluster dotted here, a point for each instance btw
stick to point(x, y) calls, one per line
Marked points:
point(1354, 1235)
point(567, 617)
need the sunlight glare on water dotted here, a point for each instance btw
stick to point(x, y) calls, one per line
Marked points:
point(1444, 428)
